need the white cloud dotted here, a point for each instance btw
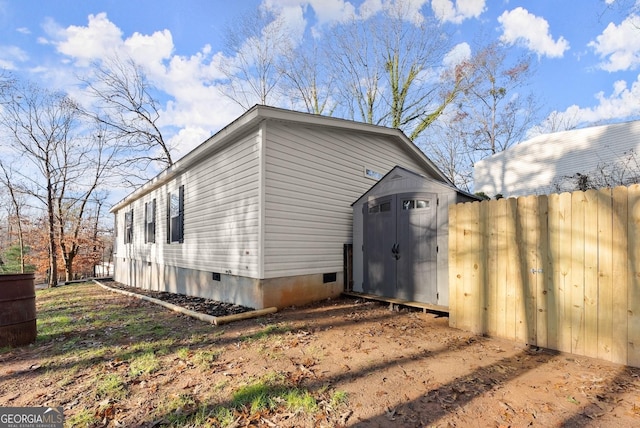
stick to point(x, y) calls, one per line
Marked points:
point(520, 26)
point(326, 11)
point(460, 53)
point(98, 39)
point(9, 55)
point(369, 8)
point(23, 30)
point(411, 10)
point(188, 139)
point(620, 44)
point(448, 11)
point(149, 49)
point(622, 103)
point(192, 107)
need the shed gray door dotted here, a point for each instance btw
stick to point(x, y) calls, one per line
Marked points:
point(400, 247)
point(416, 247)
point(380, 237)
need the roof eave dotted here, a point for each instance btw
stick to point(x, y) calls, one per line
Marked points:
point(257, 114)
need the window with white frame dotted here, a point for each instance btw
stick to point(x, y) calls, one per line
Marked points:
point(175, 216)
point(150, 222)
point(128, 226)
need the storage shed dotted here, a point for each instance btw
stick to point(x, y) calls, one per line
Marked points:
point(400, 238)
point(260, 213)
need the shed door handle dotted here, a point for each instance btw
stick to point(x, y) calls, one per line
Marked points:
point(395, 250)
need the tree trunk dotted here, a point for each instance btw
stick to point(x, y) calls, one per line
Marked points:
point(68, 266)
point(53, 257)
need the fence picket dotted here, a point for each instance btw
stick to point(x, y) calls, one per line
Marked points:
point(564, 266)
point(633, 290)
point(544, 278)
point(514, 277)
point(454, 264)
point(491, 216)
point(591, 273)
point(464, 296)
point(553, 289)
point(605, 275)
point(474, 291)
point(527, 241)
point(619, 261)
point(501, 271)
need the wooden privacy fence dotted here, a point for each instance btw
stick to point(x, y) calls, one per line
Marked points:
point(560, 271)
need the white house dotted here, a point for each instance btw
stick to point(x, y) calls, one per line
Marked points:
point(258, 214)
point(556, 162)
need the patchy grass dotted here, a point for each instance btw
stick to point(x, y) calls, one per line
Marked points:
point(111, 387)
point(268, 332)
point(83, 418)
point(205, 359)
point(272, 392)
point(112, 360)
point(180, 410)
point(144, 364)
point(339, 399)
point(120, 361)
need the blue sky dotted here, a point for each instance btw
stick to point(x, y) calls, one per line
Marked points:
point(586, 52)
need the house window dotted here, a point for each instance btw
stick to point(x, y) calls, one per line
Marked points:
point(373, 174)
point(150, 222)
point(175, 216)
point(128, 226)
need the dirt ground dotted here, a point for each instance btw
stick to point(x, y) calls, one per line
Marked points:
point(401, 368)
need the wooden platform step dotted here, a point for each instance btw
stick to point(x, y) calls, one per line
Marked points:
point(424, 306)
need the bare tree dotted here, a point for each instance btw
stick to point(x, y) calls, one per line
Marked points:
point(448, 149)
point(17, 204)
point(557, 122)
point(307, 80)
point(496, 109)
point(40, 124)
point(82, 174)
point(390, 69)
point(358, 67)
point(54, 164)
point(383, 68)
point(492, 112)
point(125, 105)
point(254, 45)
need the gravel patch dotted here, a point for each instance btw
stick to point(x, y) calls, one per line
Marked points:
point(196, 304)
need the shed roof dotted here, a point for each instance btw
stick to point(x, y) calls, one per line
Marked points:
point(256, 115)
point(397, 168)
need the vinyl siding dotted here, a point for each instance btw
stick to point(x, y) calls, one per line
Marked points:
point(312, 176)
point(536, 165)
point(221, 215)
